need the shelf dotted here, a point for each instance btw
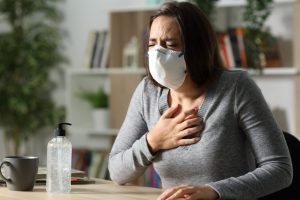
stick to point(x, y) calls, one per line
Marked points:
point(131, 8)
point(283, 71)
point(107, 71)
point(117, 82)
point(235, 3)
point(94, 132)
point(266, 71)
point(220, 3)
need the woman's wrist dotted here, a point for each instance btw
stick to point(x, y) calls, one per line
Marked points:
point(212, 194)
point(152, 145)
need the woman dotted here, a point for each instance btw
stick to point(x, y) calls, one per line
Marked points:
point(208, 132)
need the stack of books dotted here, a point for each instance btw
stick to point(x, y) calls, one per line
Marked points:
point(96, 52)
point(77, 177)
point(236, 52)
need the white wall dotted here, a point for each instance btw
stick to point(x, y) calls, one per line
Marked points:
point(82, 16)
point(280, 100)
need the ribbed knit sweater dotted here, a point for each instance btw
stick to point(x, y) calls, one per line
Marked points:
point(242, 153)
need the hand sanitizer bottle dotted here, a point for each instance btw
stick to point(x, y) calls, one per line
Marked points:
point(59, 158)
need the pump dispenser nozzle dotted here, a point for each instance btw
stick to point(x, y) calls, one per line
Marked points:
point(60, 131)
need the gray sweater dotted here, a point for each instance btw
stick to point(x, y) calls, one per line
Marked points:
point(242, 153)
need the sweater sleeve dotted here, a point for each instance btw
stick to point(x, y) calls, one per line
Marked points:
point(130, 155)
point(273, 163)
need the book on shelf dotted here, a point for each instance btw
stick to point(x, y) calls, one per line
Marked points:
point(241, 46)
point(236, 53)
point(103, 170)
point(96, 52)
point(222, 49)
point(42, 173)
point(92, 38)
point(81, 159)
point(77, 177)
point(226, 50)
point(100, 53)
point(95, 48)
point(103, 62)
point(94, 162)
point(95, 165)
point(271, 57)
point(150, 178)
point(235, 47)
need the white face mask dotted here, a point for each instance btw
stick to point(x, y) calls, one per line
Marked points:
point(167, 67)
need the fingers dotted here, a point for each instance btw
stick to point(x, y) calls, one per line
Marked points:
point(170, 112)
point(189, 192)
point(165, 195)
point(189, 131)
point(179, 192)
point(188, 128)
point(190, 141)
point(191, 196)
point(196, 121)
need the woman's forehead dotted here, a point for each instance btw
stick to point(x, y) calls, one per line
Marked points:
point(165, 26)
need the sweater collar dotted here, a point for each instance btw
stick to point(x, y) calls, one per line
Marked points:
point(163, 99)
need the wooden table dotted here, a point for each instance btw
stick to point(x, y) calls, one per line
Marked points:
point(102, 189)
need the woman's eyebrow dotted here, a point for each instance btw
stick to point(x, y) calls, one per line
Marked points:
point(152, 40)
point(170, 39)
point(165, 39)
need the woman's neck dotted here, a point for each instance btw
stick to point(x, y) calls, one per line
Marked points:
point(188, 95)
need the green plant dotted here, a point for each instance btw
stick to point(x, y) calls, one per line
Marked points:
point(207, 6)
point(29, 49)
point(257, 37)
point(98, 99)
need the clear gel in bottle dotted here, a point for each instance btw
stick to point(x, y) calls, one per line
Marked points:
point(59, 160)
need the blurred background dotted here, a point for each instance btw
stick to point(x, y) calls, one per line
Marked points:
point(79, 61)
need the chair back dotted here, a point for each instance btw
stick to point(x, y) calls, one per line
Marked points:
point(293, 191)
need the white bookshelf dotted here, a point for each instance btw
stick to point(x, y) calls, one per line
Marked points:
point(220, 3)
point(106, 71)
point(234, 3)
point(280, 71)
point(79, 113)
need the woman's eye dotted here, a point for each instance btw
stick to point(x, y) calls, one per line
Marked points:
point(172, 46)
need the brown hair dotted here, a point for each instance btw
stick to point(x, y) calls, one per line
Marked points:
point(201, 51)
